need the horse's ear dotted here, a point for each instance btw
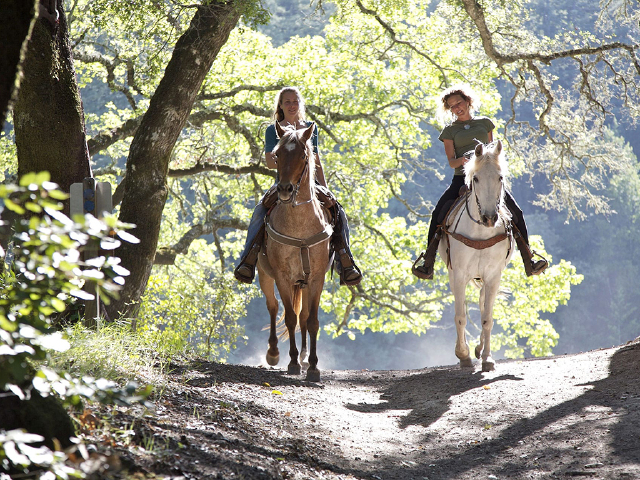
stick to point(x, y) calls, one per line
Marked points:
point(306, 135)
point(498, 147)
point(479, 149)
point(279, 129)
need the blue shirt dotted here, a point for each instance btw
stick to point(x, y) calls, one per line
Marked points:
point(271, 138)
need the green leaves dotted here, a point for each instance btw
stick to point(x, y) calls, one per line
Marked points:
point(43, 272)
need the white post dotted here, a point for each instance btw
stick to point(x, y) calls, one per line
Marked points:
point(94, 198)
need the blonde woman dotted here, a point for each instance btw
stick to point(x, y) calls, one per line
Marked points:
point(289, 112)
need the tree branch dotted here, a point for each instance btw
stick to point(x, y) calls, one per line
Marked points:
point(167, 255)
point(217, 167)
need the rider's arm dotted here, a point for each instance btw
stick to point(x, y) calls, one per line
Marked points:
point(270, 142)
point(450, 151)
point(320, 172)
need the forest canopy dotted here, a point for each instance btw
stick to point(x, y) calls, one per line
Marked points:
point(372, 80)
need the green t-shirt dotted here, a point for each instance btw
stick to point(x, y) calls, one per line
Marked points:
point(465, 134)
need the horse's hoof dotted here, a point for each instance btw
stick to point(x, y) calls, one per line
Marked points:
point(273, 360)
point(466, 363)
point(488, 366)
point(478, 351)
point(313, 375)
point(294, 370)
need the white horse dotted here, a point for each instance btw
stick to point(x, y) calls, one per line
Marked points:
point(479, 245)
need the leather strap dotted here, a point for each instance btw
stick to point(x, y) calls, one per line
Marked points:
point(478, 244)
point(302, 243)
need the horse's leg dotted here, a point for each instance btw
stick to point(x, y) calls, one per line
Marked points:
point(480, 345)
point(315, 290)
point(291, 301)
point(267, 285)
point(302, 320)
point(458, 286)
point(490, 294)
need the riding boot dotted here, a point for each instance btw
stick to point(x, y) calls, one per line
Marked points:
point(349, 272)
point(246, 269)
point(425, 271)
point(531, 266)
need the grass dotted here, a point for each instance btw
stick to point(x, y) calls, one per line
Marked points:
point(113, 352)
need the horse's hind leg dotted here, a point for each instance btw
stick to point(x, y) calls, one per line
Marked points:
point(292, 304)
point(267, 285)
point(480, 345)
point(313, 373)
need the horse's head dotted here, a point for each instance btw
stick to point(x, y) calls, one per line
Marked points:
point(293, 154)
point(485, 175)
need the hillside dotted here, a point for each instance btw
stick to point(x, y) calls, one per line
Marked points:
point(557, 417)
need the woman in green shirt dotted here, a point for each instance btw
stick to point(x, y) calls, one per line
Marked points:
point(460, 139)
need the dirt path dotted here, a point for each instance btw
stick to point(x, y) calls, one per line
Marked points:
point(559, 417)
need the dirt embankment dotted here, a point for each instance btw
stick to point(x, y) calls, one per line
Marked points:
point(558, 417)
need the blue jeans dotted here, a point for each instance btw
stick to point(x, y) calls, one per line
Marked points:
point(260, 212)
point(257, 220)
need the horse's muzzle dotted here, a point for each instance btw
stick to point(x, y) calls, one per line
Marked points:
point(489, 221)
point(285, 192)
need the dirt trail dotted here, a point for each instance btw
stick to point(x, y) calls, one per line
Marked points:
point(558, 417)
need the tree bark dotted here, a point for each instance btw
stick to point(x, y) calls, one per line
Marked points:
point(16, 19)
point(148, 162)
point(48, 115)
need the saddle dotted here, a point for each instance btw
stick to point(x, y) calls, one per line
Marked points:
point(323, 194)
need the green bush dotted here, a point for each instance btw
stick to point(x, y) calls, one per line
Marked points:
point(43, 273)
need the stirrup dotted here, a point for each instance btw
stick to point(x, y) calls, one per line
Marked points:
point(419, 268)
point(242, 275)
point(537, 266)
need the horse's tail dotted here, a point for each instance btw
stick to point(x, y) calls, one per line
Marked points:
point(283, 332)
point(297, 300)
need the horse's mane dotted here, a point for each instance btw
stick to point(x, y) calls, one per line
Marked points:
point(291, 135)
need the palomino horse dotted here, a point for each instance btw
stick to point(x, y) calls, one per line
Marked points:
point(479, 245)
point(296, 251)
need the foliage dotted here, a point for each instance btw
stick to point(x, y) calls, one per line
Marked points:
point(16, 450)
point(374, 132)
point(191, 308)
point(605, 306)
point(113, 352)
point(43, 272)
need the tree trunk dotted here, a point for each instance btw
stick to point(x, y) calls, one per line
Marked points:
point(151, 148)
point(16, 18)
point(48, 116)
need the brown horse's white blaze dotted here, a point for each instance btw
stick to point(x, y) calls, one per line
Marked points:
point(295, 256)
point(485, 250)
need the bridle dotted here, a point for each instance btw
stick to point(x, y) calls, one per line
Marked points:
point(471, 190)
point(292, 198)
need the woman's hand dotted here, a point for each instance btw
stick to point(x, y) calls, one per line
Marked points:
point(271, 159)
